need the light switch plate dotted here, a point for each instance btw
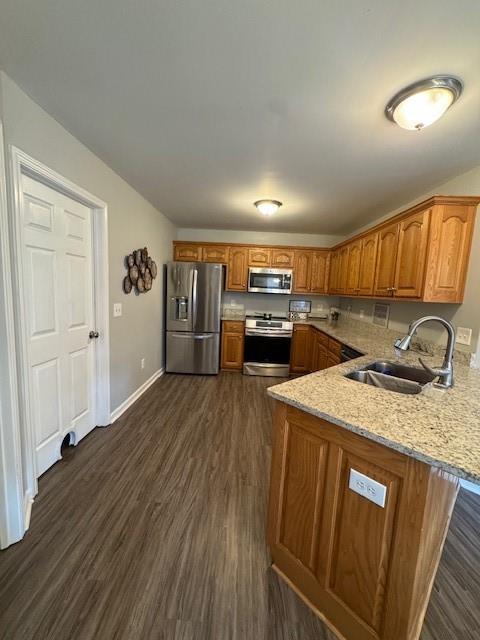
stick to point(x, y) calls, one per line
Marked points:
point(464, 335)
point(117, 309)
point(367, 487)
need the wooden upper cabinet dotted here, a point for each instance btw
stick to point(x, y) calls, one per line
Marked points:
point(342, 270)
point(237, 270)
point(319, 274)
point(282, 258)
point(420, 254)
point(302, 274)
point(333, 272)
point(411, 254)
point(386, 257)
point(187, 252)
point(448, 252)
point(215, 253)
point(259, 257)
point(353, 267)
point(368, 259)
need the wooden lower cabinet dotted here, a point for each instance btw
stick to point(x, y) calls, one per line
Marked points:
point(366, 570)
point(300, 349)
point(232, 345)
point(312, 350)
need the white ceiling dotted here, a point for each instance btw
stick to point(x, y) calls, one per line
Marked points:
point(207, 105)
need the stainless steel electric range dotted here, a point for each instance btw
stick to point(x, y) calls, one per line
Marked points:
point(267, 345)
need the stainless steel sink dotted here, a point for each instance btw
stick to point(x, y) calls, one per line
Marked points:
point(393, 377)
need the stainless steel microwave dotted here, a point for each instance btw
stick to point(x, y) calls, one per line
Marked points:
point(262, 280)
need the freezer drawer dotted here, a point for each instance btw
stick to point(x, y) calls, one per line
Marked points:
point(193, 352)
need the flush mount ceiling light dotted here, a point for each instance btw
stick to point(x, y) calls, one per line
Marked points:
point(423, 103)
point(268, 207)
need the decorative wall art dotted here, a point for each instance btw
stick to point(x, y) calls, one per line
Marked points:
point(142, 270)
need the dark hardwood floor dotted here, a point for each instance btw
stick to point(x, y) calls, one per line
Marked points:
point(153, 529)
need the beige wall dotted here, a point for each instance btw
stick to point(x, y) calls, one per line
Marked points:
point(133, 223)
point(258, 237)
point(464, 315)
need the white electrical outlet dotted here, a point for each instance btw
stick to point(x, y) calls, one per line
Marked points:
point(464, 335)
point(142, 363)
point(362, 313)
point(367, 487)
point(117, 309)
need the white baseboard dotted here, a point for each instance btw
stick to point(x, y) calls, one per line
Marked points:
point(116, 413)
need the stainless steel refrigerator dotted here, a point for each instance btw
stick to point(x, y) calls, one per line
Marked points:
point(193, 306)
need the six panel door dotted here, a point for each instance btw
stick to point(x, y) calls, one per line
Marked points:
point(58, 300)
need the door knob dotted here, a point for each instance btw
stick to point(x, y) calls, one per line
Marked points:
point(93, 334)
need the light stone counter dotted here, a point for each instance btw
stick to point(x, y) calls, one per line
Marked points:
point(439, 427)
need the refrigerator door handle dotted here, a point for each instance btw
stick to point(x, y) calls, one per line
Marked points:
point(194, 298)
point(203, 337)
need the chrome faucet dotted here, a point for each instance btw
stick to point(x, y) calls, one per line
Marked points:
point(445, 372)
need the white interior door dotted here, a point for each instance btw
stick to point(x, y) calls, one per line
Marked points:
point(58, 302)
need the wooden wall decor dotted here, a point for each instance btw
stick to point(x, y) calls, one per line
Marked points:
point(142, 270)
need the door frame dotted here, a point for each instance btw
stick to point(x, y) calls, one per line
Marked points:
point(23, 164)
point(12, 501)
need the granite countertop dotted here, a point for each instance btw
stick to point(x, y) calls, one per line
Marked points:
point(439, 427)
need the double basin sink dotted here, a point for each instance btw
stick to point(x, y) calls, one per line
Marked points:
point(393, 377)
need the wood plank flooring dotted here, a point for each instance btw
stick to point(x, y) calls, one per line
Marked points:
point(154, 529)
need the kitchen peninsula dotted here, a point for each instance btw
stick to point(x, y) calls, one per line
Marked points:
point(367, 567)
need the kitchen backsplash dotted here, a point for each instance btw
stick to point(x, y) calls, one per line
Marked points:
point(275, 303)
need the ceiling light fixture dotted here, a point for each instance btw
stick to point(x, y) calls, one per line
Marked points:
point(423, 103)
point(268, 207)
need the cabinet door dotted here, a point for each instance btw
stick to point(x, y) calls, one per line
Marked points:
point(232, 351)
point(386, 256)
point(300, 356)
point(302, 273)
point(297, 496)
point(333, 275)
point(319, 277)
point(320, 355)
point(282, 258)
point(187, 252)
point(332, 359)
point(353, 267)
point(366, 278)
point(259, 257)
point(237, 271)
point(411, 255)
point(449, 252)
point(215, 253)
point(342, 270)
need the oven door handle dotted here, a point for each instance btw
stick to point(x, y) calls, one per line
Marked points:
point(268, 334)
